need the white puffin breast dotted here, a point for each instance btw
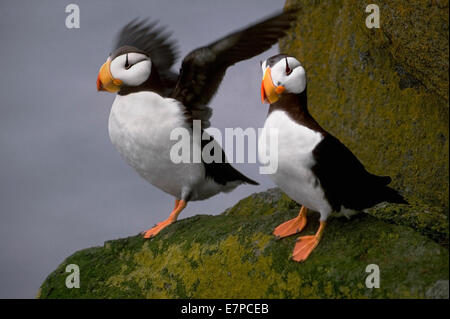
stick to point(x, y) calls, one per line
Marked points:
point(139, 127)
point(295, 160)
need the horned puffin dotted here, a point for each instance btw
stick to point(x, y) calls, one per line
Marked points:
point(152, 101)
point(314, 168)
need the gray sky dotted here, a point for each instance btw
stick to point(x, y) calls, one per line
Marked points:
point(63, 187)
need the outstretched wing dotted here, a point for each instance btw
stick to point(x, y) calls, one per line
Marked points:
point(153, 40)
point(203, 69)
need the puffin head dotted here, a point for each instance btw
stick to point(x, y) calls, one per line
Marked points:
point(282, 74)
point(127, 66)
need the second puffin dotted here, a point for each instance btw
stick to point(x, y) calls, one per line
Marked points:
point(314, 168)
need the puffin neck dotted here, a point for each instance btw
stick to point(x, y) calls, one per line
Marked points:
point(291, 103)
point(153, 84)
point(296, 106)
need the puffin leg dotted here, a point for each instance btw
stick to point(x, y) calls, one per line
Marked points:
point(306, 244)
point(292, 226)
point(177, 202)
point(179, 206)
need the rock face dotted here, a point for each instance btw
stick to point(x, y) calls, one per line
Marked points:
point(383, 92)
point(234, 255)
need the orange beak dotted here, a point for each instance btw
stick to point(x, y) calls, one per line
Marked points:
point(269, 92)
point(105, 80)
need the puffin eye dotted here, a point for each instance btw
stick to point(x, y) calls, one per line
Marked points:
point(127, 65)
point(288, 69)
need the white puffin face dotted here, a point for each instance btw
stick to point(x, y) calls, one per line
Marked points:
point(288, 73)
point(132, 69)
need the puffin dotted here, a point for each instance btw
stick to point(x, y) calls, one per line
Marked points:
point(313, 167)
point(152, 102)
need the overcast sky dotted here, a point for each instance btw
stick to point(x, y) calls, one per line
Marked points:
point(63, 187)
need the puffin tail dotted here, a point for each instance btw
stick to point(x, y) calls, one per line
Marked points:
point(392, 196)
point(387, 194)
point(246, 180)
point(250, 181)
point(235, 175)
point(381, 180)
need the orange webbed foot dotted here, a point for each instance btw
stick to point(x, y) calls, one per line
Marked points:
point(306, 244)
point(292, 226)
point(152, 232)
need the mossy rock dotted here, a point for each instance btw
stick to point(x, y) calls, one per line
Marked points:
point(383, 92)
point(234, 255)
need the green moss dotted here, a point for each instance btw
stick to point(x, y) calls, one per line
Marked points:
point(266, 203)
point(383, 92)
point(428, 220)
point(235, 256)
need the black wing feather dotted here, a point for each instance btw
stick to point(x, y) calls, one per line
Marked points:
point(203, 69)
